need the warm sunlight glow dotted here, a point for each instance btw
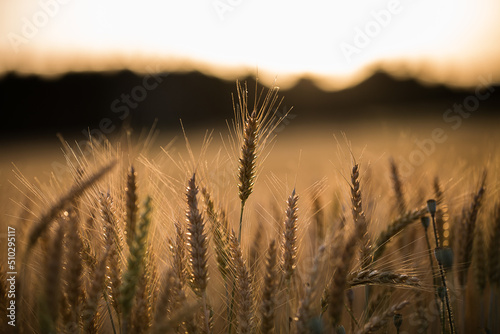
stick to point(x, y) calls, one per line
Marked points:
point(336, 43)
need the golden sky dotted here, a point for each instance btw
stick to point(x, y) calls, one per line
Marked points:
point(336, 43)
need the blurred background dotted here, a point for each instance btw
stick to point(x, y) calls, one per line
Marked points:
point(400, 68)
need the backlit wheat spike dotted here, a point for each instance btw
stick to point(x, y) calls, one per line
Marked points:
point(268, 305)
point(290, 237)
point(220, 232)
point(131, 205)
point(179, 254)
point(243, 289)
point(113, 239)
point(78, 189)
point(135, 266)
point(248, 157)
point(90, 312)
point(197, 240)
point(441, 212)
point(468, 224)
point(398, 188)
point(141, 311)
point(359, 218)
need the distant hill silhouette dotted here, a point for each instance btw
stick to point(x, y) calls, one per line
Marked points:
point(79, 100)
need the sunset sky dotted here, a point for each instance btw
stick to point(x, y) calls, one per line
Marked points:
point(336, 43)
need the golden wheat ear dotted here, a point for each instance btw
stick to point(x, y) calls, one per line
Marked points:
point(197, 240)
point(244, 290)
point(290, 237)
point(131, 205)
point(135, 266)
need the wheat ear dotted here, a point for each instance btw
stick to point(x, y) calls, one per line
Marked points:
point(131, 205)
point(197, 240)
point(93, 295)
point(135, 266)
point(290, 237)
point(468, 231)
point(268, 305)
point(398, 188)
point(244, 291)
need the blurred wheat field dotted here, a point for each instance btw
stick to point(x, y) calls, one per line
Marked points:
point(332, 231)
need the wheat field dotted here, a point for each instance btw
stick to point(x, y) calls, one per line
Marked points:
point(265, 227)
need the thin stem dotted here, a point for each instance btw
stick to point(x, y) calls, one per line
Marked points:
point(443, 278)
point(443, 321)
point(231, 308)
point(351, 314)
point(109, 312)
point(436, 296)
point(288, 311)
point(241, 221)
point(205, 311)
point(234, 283)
